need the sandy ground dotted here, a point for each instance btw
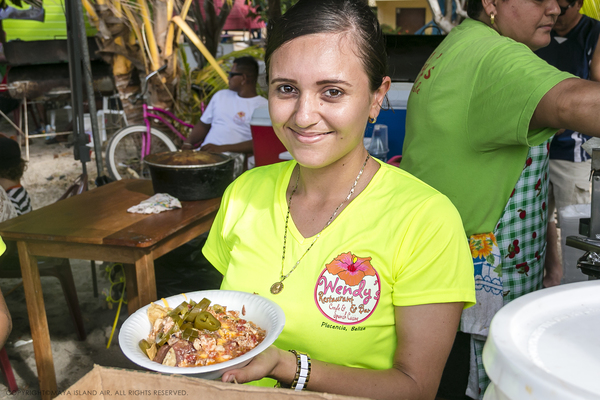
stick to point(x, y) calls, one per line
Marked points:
point(51, 170)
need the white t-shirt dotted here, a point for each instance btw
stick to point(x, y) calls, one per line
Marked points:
point(229, 116)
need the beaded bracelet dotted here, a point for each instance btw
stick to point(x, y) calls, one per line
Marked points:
point(303, 366)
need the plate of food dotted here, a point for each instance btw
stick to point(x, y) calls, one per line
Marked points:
point(202, 333)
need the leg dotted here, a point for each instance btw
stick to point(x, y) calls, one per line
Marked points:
point(65, 276)
point(133, 301)
point(7, 371)
point(569, 184)
point(553, 270)
point(143, 281)
point(38, 322)
point(146, 282)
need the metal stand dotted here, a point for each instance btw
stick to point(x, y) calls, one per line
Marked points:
point(80, 71)
point(589, 263)
point(74, 46)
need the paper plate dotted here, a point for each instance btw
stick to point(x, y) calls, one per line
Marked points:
point(259, 310)
point(544, 345)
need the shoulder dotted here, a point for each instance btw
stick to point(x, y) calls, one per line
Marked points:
point(406, 201)
point(261, 100)
point(595, 27)
point(406, 188)
point(473, 44)
point(224, 94)
point(255, 101)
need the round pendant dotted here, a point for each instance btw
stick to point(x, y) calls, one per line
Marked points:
point(277, 287)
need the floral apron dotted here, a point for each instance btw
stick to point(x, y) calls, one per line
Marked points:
point(509, 262)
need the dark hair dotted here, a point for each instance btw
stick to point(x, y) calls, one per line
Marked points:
point(248, 66)
point(474, 8)
point(309, 17)
point(14, 172)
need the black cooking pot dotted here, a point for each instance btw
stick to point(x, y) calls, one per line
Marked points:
point(190, 175)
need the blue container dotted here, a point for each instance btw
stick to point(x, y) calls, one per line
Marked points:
point(394, 118)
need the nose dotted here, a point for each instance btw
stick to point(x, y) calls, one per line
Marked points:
point(306, 111)
point(553, 8)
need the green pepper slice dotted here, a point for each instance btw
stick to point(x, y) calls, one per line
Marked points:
point(189, 334)
point(144, 345)
point(206, 320)
point(186, 325)
point(182, 308)
point(204, 303)
point(191, 316)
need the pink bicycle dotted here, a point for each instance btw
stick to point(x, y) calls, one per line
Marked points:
point(128, 146)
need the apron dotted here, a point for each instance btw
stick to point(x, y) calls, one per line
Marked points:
point(510, 258)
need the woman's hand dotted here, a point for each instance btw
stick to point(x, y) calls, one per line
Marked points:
point(270, 363)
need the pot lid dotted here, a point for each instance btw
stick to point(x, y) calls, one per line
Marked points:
point(186, 159)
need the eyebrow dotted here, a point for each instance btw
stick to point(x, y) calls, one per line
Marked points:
point(323, 82)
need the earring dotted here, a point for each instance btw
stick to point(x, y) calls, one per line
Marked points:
point(492, 18)
point(372, 120)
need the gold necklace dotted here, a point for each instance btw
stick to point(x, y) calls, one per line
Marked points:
point(277, 287)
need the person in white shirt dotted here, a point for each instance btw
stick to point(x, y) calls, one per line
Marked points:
point(225, 124)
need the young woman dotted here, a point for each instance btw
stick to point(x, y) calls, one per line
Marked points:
point(370, 265)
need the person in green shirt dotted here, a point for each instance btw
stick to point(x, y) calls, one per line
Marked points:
point(479, 121)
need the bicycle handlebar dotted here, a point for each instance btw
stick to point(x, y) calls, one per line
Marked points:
point(134, 98)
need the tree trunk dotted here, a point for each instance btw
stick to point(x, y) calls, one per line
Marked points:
point(274, 9)
point(210, 26)
point(126, 87)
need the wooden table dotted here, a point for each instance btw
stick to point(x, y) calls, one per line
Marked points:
point(95, 225)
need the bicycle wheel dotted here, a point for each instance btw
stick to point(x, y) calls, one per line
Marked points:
point(123, 153)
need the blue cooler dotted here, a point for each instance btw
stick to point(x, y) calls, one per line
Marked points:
point(395, 117)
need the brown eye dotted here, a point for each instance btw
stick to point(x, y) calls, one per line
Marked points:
point(333, 93)
point(285, 89)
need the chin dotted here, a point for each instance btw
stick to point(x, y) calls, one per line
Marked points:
point(539, 44)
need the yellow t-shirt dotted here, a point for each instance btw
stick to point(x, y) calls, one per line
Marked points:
point(2, 247)
point(398, 243)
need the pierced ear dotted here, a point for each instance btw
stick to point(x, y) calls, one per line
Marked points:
point(489, 7)
point(379, 95)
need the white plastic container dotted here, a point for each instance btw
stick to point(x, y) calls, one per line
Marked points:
point(546, 346)
point(568, 220)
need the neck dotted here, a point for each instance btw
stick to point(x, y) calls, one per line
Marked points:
point(323, 190)
point(332, 180)
point(7, 183)
point(247, 91)
point(565, 31)
point(485, 19)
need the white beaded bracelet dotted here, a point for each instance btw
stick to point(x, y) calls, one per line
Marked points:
point(303, 366)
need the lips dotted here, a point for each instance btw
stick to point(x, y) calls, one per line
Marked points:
point(309, 137)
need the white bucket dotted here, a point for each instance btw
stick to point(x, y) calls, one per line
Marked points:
point(546, 346)
point(568, 219)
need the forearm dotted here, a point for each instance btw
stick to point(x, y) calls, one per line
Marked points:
point(374, 384)
point(197, 134)
point(243, 147)
point(572, 104)
point(424, 339)
point(5, 321)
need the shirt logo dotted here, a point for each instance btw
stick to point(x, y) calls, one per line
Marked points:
point(240, 118)
point(347, 291)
